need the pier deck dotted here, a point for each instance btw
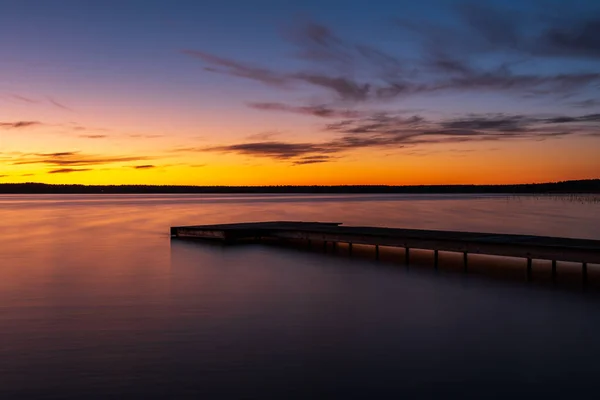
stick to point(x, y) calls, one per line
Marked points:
point(583, 251)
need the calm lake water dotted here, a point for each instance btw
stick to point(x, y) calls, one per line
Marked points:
point(97, 302)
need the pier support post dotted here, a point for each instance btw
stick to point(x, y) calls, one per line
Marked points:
point(407, 256)
point(553, 270)
point(334, 246)
point(309, 243)
point(325, 246)
point(377, 252)
point(350, 248)
point(436, 257)
point(584, 273)
point(466, 261)
point(529, 268)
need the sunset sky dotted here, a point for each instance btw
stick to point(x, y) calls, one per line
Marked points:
point(262, 92)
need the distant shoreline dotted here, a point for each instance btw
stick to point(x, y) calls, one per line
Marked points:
point(591, 186)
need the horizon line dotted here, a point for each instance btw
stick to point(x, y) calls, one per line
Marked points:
point(302, 186)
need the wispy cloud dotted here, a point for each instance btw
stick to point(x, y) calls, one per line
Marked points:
point(145, 136)
point(68, 170)
point(47, 100)
point(75, 158)
point(239, 69)
point(93, 136)
point(588, 103)
point(19, 124)
point(23, 98)
point(504, 123)
point(541, 32)
point(263, 136)
point(147, 166)
point(190, 149)
point(588, 118)
point(56, 103)
point(277, 150)
point(322, 111)
point(313, 160)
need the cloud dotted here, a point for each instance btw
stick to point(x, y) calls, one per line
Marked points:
point(145, 136)
point(569, 119)
point(19, 124)
point(239, 69)
point(322, 111)
point(539, 32)
point(504, 80)
point(59, 154)
point(147, 166)
point(395, 132)
point(302, 153)
point(79, 128)
point(23, 98)
point(318, 43)
point(377, 123)
point(345, 88)
point(505, 123)
point(31, 100)
point(74, 158)
point(68, 170)
point(575, 39)
point(588, 103)
point(263, 136)
point(59, 105)
point(277, 150)
point(93, 136)
point(313, 160)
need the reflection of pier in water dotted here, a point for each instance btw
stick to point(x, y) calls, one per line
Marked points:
point(583, 251)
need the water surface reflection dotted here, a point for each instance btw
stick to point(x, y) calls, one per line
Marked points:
point(96, 301)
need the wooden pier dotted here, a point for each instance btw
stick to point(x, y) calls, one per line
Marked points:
point(555, 249)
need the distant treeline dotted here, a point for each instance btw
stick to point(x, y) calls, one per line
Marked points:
point(579, 186)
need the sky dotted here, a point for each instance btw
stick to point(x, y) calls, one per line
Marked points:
point(265, 92)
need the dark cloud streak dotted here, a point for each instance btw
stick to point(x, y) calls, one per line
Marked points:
point(23, 98)
point(93, 136)
point(68, 170)
point(58, 104)
point(72, 158)
point(322, 111)
point(19, 124)
point(239, 69)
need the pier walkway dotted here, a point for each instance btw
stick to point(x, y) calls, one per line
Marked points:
point(582, 251)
